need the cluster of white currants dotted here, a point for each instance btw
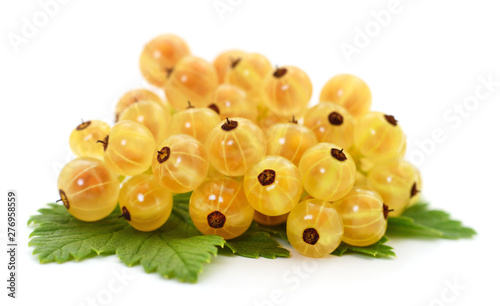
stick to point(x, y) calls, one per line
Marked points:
point(239, 135)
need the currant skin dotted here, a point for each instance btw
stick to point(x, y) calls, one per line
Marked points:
point(397, 182)
point(128, 148)
point(144, 203)
point(195, 122)
point(151, 115)
point(266, 119)
point(223, 62)
point(160, 56)
point(314, 228)
point(365, 165)
point(248, 73)
point(83, 139)
point(331, 123)
point(136, 95)
point(289, 140)
point(219, 207)
point(234, 145)
point(269, 220)
point(378, 137)
point(348, 91)
point(180, 163)
point(361, 180)
point(273, 186)
point(364, 215)
point(88, 189)
point(230, 101)
point(328, 172)
point(287, 91)
point(193, 79)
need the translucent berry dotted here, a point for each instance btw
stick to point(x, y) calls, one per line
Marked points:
point(180, 164)
point(287, 91)
point(192, 79)
point(364, 215)
point(128, 148)
point(88, 188)
point(397, 182)
point(378, 137)
point(289, 140)
point(137, 95)
point(230, 101)
point(331, 123)
point(159, 56)
point(149, 114)
point(235, 145)
point(348, 91)
point(196, 122)
point(248, 73)
point(266, 119)
point(83, 139)
point(273, 186)
point(223, 62)
point(144, 203)
point(219, 207)
point(361, 180)
point(269, 220)
point(314, 228)
point(328, 172)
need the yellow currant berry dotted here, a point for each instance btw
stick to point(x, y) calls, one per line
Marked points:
point(378, 137)
point(192, 79)
point(273, 185)
point(364, 215)
point(230, 101)
point(88, 189)
point(159, 56)
point(331, 123)
point(397, 182)
point(128, 148)
point(328, 172)
point(348, 91)
point(289, 140)
point(266, 119)
point(269, 220)
point(219, 207)
point(223, 62)
point(235, 145)
point(83, 139)
point(287, 91)
point(137, 95)
point(151, 115)
point(181, 163)
point(248, 73)
point(314, 228)
point(144, 203)
point(195, 122)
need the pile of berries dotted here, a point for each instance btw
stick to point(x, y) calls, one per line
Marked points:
point(239, 135)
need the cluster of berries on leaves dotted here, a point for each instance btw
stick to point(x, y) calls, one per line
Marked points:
point(240, 136)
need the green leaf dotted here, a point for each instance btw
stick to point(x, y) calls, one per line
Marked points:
point(278, 231)
point(379, 249)
point(419, 220)
point(255, 244)
point(176, 250)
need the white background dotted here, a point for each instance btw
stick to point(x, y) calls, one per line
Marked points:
point(425, 61)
